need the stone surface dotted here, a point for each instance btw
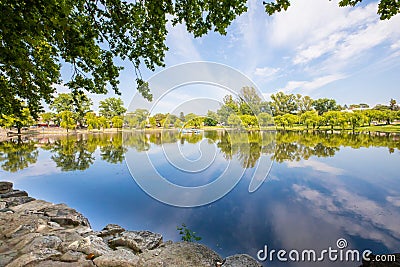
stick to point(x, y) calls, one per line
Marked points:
point(137, 240)
point(14, 193)
point(117, 258)
point(5, 187)
point(3, 205)
point(72, 256)
point(15, 201)
point(91, 244)
point(240, 260)
point(110, 230)
point(181, 254)
point(63, 215)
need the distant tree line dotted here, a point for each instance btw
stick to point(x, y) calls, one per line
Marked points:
point(247, 111)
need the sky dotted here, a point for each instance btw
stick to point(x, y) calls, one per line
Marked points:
point(315, 48)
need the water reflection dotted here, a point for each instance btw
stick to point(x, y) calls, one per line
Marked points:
point(76, 152)
point(323, 187)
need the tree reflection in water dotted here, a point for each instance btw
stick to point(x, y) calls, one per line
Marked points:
point(77, 152)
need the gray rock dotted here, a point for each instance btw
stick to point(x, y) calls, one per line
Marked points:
point(72, 256)
point(137, 240)
point(110, 230)
point(180, 254)
point(14, 193)
point(240, 260)
point(117, 258)
point(5, 187)
point(64, 215)
point(41, 242)
point(15, 201)
point(3, 205)
point(52, 263)
point(90, 244)
point(34, 257)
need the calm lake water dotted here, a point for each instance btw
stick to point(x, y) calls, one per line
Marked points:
point(321, 187)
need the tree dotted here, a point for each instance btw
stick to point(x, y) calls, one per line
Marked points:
point(386, 9)
point(392, 104)
point(304, 103)
point(282, 104)
point(332, 118)
point(117, 122)
point(111, 107)
point(265, 119)
point(356, 119)
point(92, 121)
point(18, 120)
point(67, 120)
point(309, 118)
point(178, 123)
point(248, 120)
point(234, 120)
point(323, 105)
point(86, 36)
point(192, 120)
point(48, 117)
point(211, 118)
point(249, 101)
point(103, 122)
point(77, 103)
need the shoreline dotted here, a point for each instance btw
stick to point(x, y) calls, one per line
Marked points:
point(39, 233)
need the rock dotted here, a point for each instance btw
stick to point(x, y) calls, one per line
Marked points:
point(15, 201)
point(14, 193)
point(180, 254)
point(117, 258)
point(137, 240)
point(3, 205)
point(64, 216)
point(52, 263)
point(5, 187)
point(91, 244)
point(41, 242)
point(240, 260)
point(111, 229)
point(34, 257)
point(72, 256)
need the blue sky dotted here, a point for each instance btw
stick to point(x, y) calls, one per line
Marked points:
point(315, 48)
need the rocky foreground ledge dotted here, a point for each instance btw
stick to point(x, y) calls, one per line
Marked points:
point(38, 233)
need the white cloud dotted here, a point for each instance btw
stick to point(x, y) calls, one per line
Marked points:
point(181, 45)
point(309, 86)
point(315, 165)
point(266, 71)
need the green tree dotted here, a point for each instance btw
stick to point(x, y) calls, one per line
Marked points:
point(103, 122)
point(87, 37)
point(304, 103)
point(48, 117)
point(356, 119)
point(265, 119)
point(111, 107)
point(234, 120)
point(20, 120)
point(67, 120)
point(323, 105)
point(282, 103)
point(309, 118)
point(249, 101)
point(392, 104)
point(178, 123)
point(92, 121)
point(192, 120)
point(249, 121)
point(117, 122)
point(77, 103)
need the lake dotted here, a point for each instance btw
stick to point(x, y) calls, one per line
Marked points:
point(321, 187)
